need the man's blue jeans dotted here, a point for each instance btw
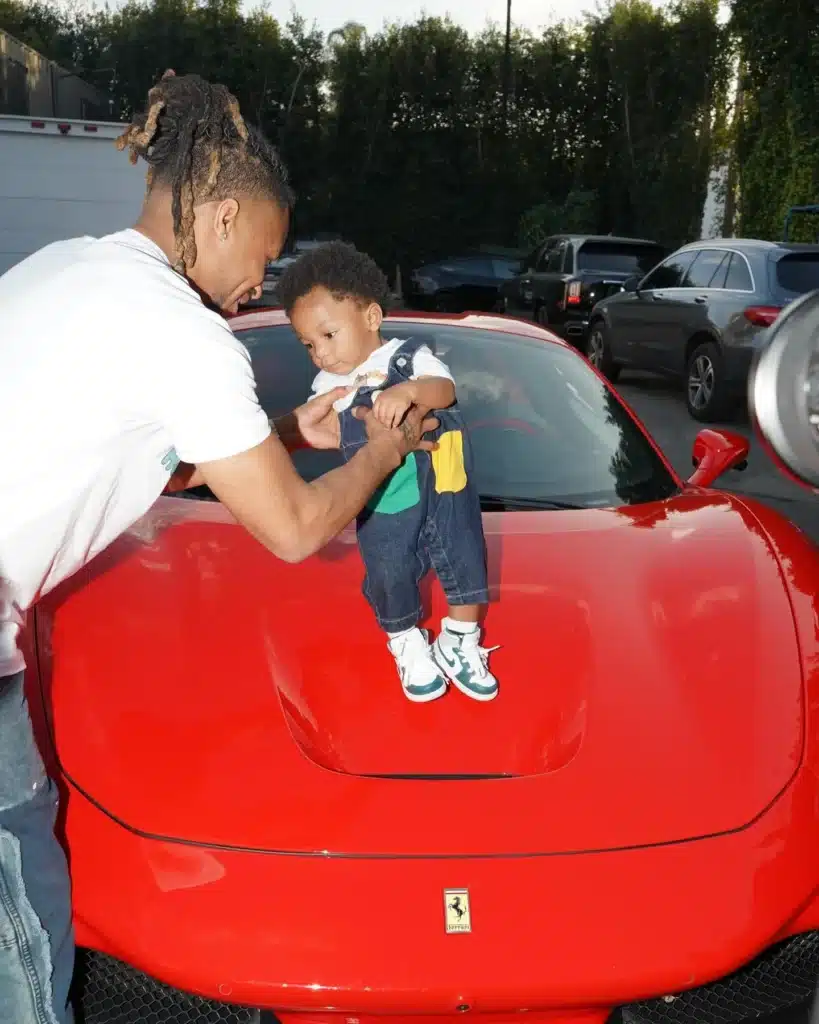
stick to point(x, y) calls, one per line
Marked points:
point(36, 938)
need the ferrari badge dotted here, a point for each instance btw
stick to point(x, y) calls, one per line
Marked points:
point(457, 916)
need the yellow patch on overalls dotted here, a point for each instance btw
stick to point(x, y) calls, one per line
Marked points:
point(448, 462)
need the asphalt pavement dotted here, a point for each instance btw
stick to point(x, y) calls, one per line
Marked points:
point(662, 409)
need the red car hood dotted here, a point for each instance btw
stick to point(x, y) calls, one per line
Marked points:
point(650, 678)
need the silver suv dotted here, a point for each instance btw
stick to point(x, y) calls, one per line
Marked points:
point(699, 316)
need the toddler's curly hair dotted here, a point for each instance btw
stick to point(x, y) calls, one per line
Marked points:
point(340, 268)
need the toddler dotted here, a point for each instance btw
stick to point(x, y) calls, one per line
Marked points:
point(427, 513)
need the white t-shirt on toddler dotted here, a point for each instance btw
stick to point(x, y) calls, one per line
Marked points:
point(373, 371)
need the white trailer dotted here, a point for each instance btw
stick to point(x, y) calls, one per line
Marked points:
point(60, 179)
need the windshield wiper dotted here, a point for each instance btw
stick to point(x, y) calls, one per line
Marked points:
point(505, 502)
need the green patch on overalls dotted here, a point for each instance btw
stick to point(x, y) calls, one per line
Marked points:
point(399, 491)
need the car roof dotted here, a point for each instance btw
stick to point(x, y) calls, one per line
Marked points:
point(274, 316)
point(749, 244)
point(617, 239)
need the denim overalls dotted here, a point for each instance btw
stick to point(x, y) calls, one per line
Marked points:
point(425, 514)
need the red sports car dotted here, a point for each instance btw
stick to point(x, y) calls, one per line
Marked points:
point(262, 827)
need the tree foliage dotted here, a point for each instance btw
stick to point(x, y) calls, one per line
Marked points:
point(778, 131)
point(397, 139)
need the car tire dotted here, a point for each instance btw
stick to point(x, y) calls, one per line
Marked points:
point(598, 351)
point(706, 389)
point(542, 316)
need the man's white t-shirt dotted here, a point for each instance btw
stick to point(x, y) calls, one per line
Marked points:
point(373, 371)
point(111, 371)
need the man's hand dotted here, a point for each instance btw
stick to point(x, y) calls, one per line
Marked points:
point(390, 406)
point(314, 424)
point(406, 437)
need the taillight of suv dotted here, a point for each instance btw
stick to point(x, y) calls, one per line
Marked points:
point(762, 316)
point(572, 295)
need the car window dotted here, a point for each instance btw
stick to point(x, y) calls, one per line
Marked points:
point(798, 272)
point(545, 255)
point(542, 423)
point(281, 366)
point(504, 269)
point(474, 267)
point(670, 273)
point(531, 260)
point(738, 276)
point(619, 257)
point(707, 265)
point(568, 259)
point(554, 262)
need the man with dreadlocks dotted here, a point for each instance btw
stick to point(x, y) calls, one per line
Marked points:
point(129, 374)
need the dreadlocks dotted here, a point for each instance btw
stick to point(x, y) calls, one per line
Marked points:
point(195, 141)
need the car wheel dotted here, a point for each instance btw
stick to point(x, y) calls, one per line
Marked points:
point(542, 316)
point(501, 305)
point(706, 393)
point(598, 351)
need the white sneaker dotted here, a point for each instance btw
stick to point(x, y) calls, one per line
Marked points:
point(463, 660)
point(417, 670)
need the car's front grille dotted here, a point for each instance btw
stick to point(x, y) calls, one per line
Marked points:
point(110, 992)
point(783, 977)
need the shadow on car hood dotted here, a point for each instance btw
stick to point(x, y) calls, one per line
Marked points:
point(650, 688)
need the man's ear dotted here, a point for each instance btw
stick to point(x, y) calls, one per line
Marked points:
point(225, 218)
point(375, 316)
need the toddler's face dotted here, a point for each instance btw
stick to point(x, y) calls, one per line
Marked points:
point(338, 333)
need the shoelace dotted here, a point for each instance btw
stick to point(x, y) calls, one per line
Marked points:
point(477, 657)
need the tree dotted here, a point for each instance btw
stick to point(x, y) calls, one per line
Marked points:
point(412, 142)
point(778, 133)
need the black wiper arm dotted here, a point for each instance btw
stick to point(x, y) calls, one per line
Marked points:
point(501, 502)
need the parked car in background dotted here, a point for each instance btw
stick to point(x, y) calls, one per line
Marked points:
point(274, 271)
point(460, 284)
point(700, 316)
point(560, 281)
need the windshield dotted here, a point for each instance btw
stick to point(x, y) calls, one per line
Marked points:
point(544, 427)
point(798, 272)
point(619, 257)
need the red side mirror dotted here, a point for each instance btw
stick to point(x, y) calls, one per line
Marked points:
point(715, 452)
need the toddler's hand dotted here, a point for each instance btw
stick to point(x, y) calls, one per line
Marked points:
point(391, 405)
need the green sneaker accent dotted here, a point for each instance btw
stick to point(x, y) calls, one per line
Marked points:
point(399, 491)
point(438, 684)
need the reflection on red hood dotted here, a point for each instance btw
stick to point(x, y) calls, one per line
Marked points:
point(647, 658)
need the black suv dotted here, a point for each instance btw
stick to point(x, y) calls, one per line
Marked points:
point(565, 276)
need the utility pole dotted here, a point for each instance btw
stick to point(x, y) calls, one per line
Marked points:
point(506, 60)
point(502, 202)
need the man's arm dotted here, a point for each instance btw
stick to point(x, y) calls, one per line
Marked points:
point(186, 476)
point(314, 424)
point(292, 518)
